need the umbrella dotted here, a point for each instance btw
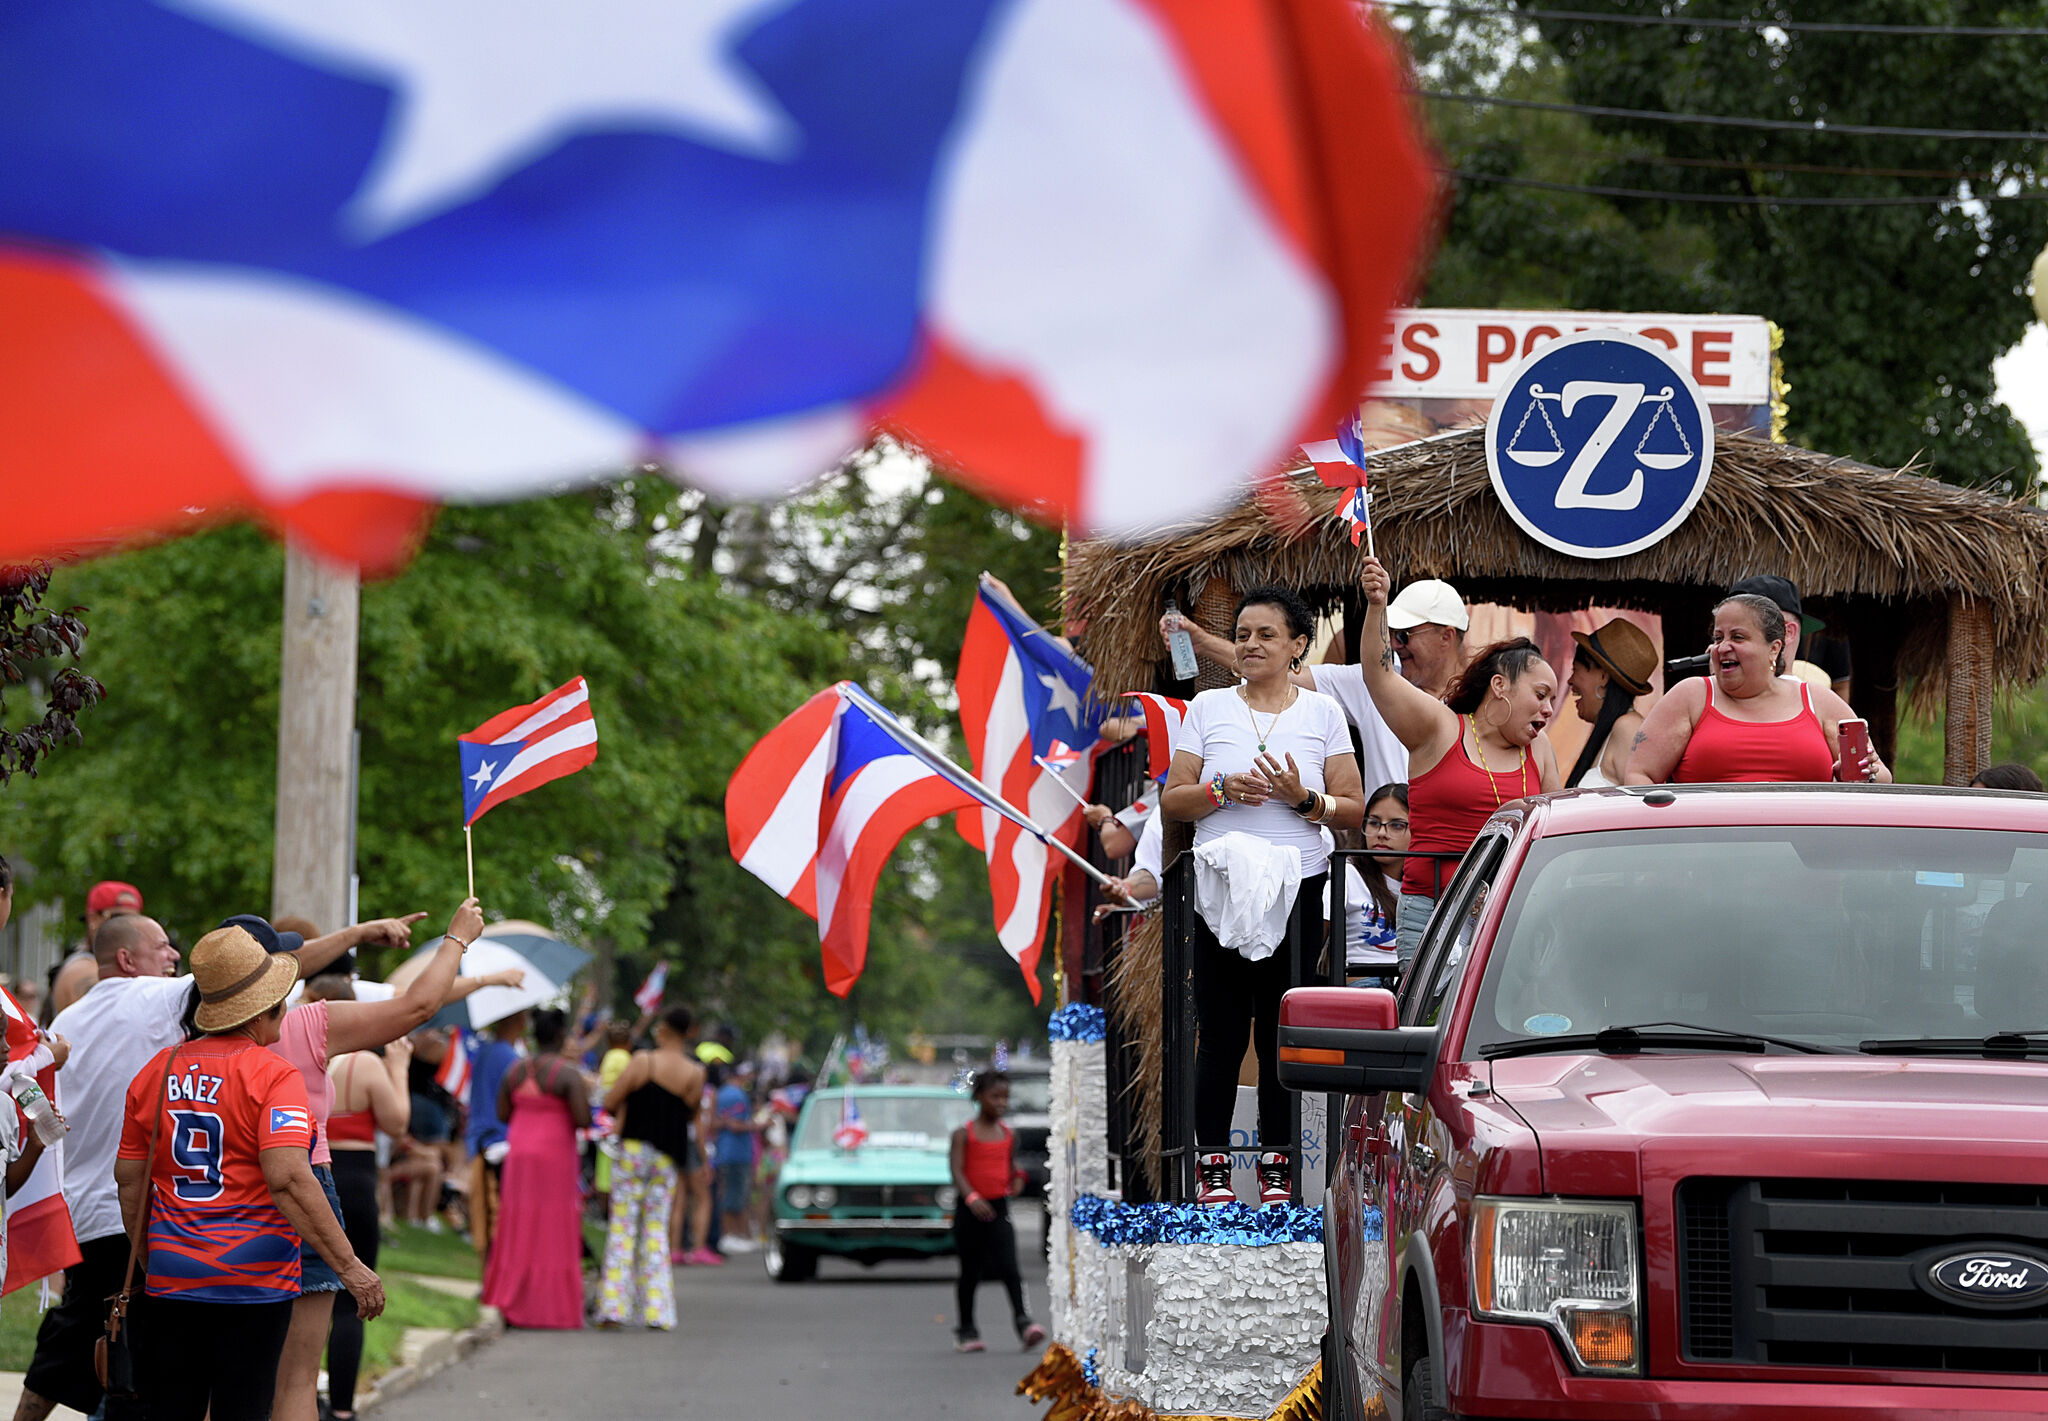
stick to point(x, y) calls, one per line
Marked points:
point(556, 959)
point(487, 1004)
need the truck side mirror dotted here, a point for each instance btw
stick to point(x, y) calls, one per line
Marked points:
point(1348, 1039)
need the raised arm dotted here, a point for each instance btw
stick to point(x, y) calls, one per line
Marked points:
point(1661, 742)
point(358, 1026)
point(463, 986)
point(1419, 720)
point(379, 932)
point(1208, 645)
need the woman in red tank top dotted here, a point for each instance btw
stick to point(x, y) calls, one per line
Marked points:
point(1746, 723)
point(1478, 748)
point(985, 1175)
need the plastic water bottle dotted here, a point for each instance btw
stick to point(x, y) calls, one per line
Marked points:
point(1180, 645)
point(36, 1106)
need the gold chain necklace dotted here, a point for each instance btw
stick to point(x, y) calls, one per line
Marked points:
point(1520, 771)
point(1258, 733)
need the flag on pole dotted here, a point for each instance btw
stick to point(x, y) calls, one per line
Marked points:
point(336, 263)
point(525, 747)
point(1340, 463)
point(1021, 693)
point(40, 1239)
point(1163, 718)
point(852, 1132)
point(821, 801)
point(649, 995)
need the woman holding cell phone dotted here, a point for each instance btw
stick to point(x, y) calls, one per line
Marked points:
point(1745, 721)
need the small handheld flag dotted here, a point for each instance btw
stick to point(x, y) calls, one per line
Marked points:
point(522, 749)
point(852, 1132)
point(649, 995)
point(1340, 463)
point(452, 1075)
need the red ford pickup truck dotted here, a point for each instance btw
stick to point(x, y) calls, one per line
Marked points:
point(1701, 1102)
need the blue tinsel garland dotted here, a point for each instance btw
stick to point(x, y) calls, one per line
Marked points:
point(1078, 1022)
point(1090, 1372)
point(1113, 1223)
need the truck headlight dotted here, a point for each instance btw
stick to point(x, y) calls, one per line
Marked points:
point(1570, 1264)
point(824, 1196)
point(946, 1197)
point(798, 1196)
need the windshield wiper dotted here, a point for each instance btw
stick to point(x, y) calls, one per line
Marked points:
point(1998, 1043)
point(1623, 1040)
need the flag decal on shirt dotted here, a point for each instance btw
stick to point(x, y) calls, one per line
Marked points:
point(288, 1118)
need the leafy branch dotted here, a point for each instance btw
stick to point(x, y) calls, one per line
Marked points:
point(31, 635)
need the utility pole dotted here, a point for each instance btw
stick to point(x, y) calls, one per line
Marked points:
point(316, 721)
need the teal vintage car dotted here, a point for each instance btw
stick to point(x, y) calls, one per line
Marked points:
point(889, 1196)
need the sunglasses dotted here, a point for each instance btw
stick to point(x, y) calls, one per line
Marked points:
point(1400, 639)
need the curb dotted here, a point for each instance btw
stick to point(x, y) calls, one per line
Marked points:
point(440, 1351)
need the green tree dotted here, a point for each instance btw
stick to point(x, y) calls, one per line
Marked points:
point(1892, 314)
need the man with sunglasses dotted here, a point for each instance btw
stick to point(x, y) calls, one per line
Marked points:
point(1427, 623)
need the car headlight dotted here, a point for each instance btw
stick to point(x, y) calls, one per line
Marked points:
point(1568, 1264)
point(798, 1196)
point(824, 1196)
point(946, 1196)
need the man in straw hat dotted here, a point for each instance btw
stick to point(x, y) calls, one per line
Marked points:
point(215, 1157)
point(134, 1011)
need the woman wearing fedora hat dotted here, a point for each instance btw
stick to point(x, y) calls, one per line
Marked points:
point(1610, 669)
point(215, 1163)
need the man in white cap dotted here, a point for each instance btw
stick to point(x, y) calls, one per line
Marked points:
point(1427, 623)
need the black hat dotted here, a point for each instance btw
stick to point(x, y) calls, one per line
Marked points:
point(1781, 591)
point(260, 929)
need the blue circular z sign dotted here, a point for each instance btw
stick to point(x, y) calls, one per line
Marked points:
point(1600, 444)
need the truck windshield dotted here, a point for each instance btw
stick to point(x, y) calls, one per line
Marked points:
point(1830, 935)
point(904, 1122)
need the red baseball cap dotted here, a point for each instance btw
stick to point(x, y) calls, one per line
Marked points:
point(111, 894)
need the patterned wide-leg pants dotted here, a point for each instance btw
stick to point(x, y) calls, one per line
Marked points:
point(638, 1286)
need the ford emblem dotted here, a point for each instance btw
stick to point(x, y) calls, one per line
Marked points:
point(1994, 1277)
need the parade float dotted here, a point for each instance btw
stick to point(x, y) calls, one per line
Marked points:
point(1160, 1307)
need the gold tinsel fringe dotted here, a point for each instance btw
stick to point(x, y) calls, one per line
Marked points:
point(1058, 1378)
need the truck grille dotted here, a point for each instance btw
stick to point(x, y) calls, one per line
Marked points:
point(1803, 1272)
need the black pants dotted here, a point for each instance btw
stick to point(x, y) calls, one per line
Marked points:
point(355, 1180)
point(62, 1369)
point(194, 1357)
point(1234, 995)
point(987, 1250)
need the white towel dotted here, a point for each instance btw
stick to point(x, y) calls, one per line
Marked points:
point(1244, 890)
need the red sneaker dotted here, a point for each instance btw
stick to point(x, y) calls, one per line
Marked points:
point(1212, 1175)
point(1276, 1181)
point(705, 1257)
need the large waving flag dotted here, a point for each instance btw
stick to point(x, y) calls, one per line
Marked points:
point(1021, 693)
point(820, 803)
point(40, 1239)
point(1163, 718)
point(333, 261)
point(525, 747)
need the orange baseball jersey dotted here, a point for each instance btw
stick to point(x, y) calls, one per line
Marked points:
point(215, 1235)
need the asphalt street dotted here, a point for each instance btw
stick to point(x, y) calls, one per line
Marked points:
point(854, 1343)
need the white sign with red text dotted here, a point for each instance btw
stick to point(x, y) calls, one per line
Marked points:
point(1460, 354)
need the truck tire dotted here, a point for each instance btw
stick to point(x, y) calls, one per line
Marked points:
point(790, 1262)
point(1418, 1397)
point(1333, 1405)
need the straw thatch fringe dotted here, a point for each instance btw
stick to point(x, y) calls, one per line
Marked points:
point(1837, 528)
point(1135, 998)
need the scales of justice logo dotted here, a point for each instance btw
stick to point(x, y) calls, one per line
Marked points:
point(1600, 444)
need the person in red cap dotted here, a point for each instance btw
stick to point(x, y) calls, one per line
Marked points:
point(107, 899)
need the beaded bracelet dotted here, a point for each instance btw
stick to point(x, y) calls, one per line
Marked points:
point(1216, 793)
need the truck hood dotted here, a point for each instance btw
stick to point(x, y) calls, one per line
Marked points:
point(1605, 1124)
point(867, 1165)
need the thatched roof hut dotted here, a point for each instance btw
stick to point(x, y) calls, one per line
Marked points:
point(1937, 588)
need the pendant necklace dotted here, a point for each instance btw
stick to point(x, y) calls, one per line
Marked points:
point(1257, 733)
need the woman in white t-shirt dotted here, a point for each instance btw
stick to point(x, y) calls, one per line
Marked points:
point(1372, 898)
point(1272, 760)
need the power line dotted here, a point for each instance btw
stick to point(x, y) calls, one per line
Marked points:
point(1737, 199)
point(1691, 22)
point(1815, 127)
point(1760, 165)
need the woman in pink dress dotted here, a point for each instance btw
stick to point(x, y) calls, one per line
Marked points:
point(535, 1274)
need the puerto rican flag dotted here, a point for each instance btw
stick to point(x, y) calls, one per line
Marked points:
point(1021, 694)
point(649, 995)
point(853, 1131)
point(820, 803)
point(452, 1075)
point(40, 1240)
point(525, 747)
point(1163, 718)
point(334, 261)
